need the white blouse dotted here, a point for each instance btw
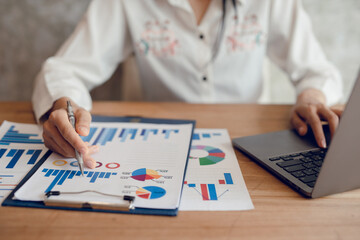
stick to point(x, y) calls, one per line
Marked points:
point(176, 58)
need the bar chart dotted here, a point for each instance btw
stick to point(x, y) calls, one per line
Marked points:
point(7, 184)
point(13, 136)
point(15, 155)
point(199, 136)
point(60, 176)
point(167, 132)
point(146, 132)
point(105, 135)
point(208, 192)
point(125, 132)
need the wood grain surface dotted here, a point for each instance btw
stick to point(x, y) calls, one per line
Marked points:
point(280, 213)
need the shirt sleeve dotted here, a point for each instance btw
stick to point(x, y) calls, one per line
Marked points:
point(294, 48)
point(87, 59)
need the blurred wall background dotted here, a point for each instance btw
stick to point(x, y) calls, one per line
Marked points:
point(32, 30)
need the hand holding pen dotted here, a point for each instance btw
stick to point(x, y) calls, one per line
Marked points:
point(60, 136)
point(71, 117)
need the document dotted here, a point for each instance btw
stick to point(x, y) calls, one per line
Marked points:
point(213, 178)
point(143, 162)
point(139, 159)
point(21, 146)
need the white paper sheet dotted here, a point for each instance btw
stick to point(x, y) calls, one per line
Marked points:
point(138, 159)
point(213, 178)
point(21, 146)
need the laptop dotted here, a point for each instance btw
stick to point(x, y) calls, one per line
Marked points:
point(301, 164)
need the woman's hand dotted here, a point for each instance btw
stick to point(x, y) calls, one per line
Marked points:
point(310, 109)
point(61, 137)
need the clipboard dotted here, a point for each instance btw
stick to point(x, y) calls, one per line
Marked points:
point(100, 207)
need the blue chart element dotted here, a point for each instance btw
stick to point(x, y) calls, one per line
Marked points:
point(17, 153)
point(212, 192)
point(146, 132)
point(198, 136)
point(62, 175)
point(150, 192)
point(2, 151)
point(12, 136)
point(130, 133)
point(35, 155)
point(168, 131)
point(105, 135)
point(206, 135)
point(228, 178)
point(127, 131)
point(91, 134)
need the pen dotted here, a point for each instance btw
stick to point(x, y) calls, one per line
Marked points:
point(72, 121)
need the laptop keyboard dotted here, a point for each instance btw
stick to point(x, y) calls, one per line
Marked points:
point(305, 166)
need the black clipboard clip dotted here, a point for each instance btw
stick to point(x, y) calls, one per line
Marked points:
point(50, 200)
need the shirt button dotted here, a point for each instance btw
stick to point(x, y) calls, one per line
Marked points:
point(204, 78)
point(201, 36)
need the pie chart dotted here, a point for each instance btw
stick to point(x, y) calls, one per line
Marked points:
point(150, 192)
point(207, 155)
point(143, 174)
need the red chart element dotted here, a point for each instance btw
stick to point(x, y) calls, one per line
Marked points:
point(146, 196)
point(143, 174)
point(112, 165)
point(218, 154)
point(204, 192)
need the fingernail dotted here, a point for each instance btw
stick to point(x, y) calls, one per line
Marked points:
point(84, 131)
point(323, 143)
point(301, 130)
point(90, 164)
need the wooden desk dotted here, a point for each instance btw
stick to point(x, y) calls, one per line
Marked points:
point(279, 213)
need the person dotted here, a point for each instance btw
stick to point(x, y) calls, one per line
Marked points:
point(208, 51)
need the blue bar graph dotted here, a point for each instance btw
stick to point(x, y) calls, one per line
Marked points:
point(105, 135)
point(11, 153)
point(35, 155)
point(228, 178)
point(199, 136)
point(196, 136)
point(127, 131)
point(168, 131)
point(212, 192)
point(90, 135)
point(206, 135)
point(146, 132)
point(16, 154)
point(13, 136)
point(2, 151)
point(62, 175)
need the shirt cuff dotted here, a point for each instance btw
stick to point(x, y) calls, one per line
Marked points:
point(47, 92)
point(331, 87)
